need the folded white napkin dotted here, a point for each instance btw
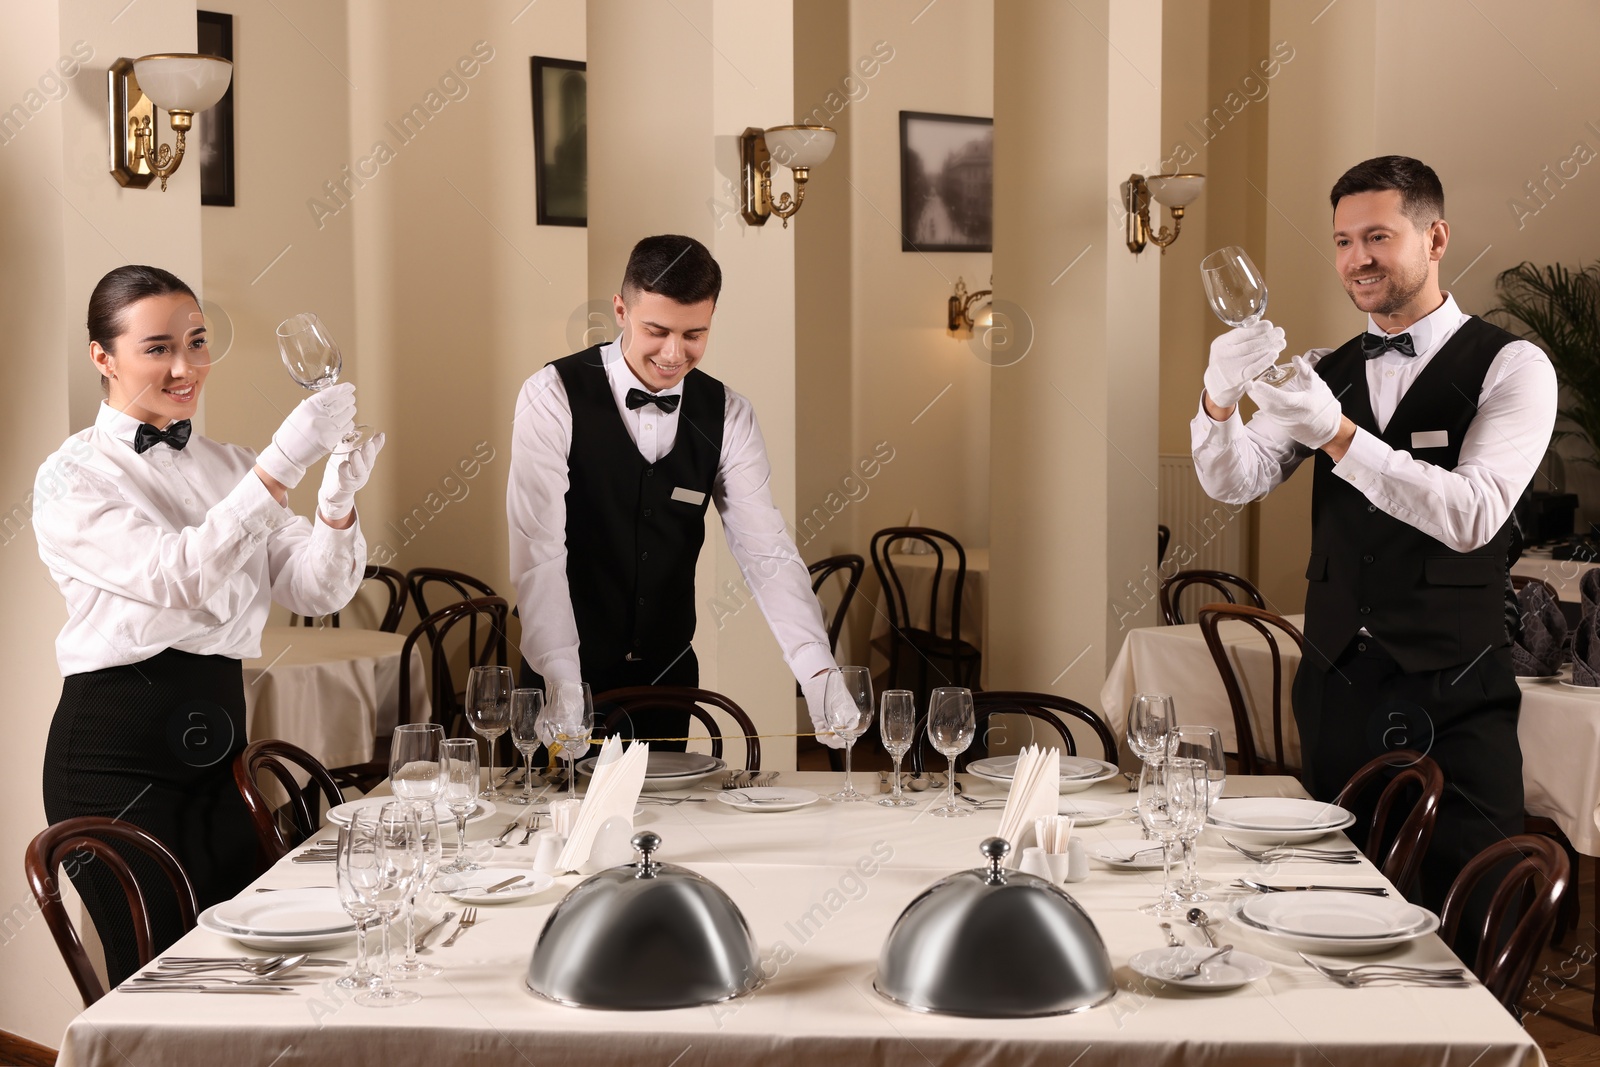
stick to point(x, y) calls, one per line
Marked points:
point(1035, 787)
point(613, 792)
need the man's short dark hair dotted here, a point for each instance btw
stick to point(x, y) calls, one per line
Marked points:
point(1421, 195)
point(677, 267)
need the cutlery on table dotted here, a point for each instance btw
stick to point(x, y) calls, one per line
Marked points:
point(1129, 858)
point(741, 797)
point(1382, 968)
point(271, 965)
point(164, 987)
point(507, 884)
point(1201, 921)
point(1173, 940)
point(282, 888)
point(1194, 969)
point(500, 838)
point(422, 938)
point(1279, 853)
point(1263, 887)
point(245, 962)
point(469, 918)
point(533, 824)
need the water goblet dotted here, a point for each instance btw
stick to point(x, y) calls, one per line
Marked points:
point(527, 705)
point(460, 758)
point(356, 872)
point(399, 863)
point(314, 361)
point(569, 707)
point(1151, 718)
point(951, 726)
point(1203, 743)
point(897, 726)
point(1171, 791)
point(847, 706)
point(488, 710)
point(430, 854)
point(1237, 294)
point(414, 769)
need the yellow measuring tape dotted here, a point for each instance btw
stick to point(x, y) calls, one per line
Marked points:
point(555, 748)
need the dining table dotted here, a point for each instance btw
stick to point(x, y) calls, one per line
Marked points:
point(821, 887)
point(331, 690)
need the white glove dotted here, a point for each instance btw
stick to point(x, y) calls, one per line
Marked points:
point(1304, 405)
point(309, 433)
point(1237, 357)
point(344, 474)
point(816, 692)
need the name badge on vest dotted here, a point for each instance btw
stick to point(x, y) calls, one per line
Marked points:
point(688, 496)
point(1430, 439)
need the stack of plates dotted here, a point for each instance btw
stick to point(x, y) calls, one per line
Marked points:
point(1336, 924)
point(1277, 820)
point(669, 770)
point(290, 919)
point(1077, 772)
point(339, 814)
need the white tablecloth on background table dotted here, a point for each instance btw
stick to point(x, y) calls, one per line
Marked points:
point(821, 888)
point(1559, 727)
point(916, 576)
point(1564, 574)
point(330, 691)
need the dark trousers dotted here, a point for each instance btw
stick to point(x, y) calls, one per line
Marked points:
point(684, 670)
point(1464, 717)
point(153, 744)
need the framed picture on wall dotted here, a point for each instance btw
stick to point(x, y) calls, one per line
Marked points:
point(946, 183)
point(214, 128)
point(561, 141)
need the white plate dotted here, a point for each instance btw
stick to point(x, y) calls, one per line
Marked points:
point(667, 764)
point(270, 942)
point(1114, 853)
point(1067, 785)
point(1590, 689)
point(1341, 915)
point(1239, 968)
point(1331, 946)
point(292, 912)
point(1275, 813)
point(468, 886)
point(768, 798)
point(1091, 812)
point(1279, 837)
point(1006, 767)
point(661, 783)
point(339, 815)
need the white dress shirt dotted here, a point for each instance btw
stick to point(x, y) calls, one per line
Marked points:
point(536, 511)
point(1462, 508)
point(176, 549)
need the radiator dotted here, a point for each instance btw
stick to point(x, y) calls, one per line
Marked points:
point(1206, 535)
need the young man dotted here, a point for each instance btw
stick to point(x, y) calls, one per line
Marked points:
point(616, 453)
point(1426, 429)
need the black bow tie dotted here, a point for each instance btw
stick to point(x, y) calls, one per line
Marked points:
point(1376, 344)
point(147, 437)
point(638, 398)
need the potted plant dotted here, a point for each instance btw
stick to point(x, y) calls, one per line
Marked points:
point(1560, 310)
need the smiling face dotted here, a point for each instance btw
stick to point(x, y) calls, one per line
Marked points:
point(662, 340)
point(157, 364)
point(1388, 265)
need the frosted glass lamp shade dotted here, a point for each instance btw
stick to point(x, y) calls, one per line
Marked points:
point(1175, 190)
point(800, 146)
point(183, 82)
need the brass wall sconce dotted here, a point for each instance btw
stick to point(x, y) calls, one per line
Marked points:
point(177, 83)
point(959, 315)
point(1176, 191)
point(797, 147)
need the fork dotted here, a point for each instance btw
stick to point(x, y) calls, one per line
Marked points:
point(469, 917)
point(1271, 855)
point(1367, 969)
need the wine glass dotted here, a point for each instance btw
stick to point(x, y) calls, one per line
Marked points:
point(489, 713)
point(847, 706)
point(460, 758)
point(951, 726)
point(1171, 791)
point(399, 865)
point(1238, 295)
point(897, 726)
point(430, 854)
point(314, 362)
point(1151, 718)
point(569, 707)
point(414, 770)
point(356, 864)
point(1203, 743)
point(527, 705)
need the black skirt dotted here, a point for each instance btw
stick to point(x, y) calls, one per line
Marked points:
point(153, 743)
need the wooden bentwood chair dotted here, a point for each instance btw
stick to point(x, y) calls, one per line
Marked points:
point(393, 582)
point(1537, 880)
point(1401, 862)
point(1230, 588)
point(275, 757)
point(1264, 622)
point(1052, 710)
point(922, 660)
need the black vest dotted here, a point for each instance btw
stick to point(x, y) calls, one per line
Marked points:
point(631, 547)
point(1429, 606)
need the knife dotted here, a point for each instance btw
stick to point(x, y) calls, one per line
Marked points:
point(175, 987)
point(1369, 890)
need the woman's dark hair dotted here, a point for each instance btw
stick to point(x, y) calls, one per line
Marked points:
point(125, 286)
point(1421, 195)
point(679, 268)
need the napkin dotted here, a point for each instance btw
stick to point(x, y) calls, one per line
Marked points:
point(1586, 641)
point(1538, 650)
point(1035, 789)
point(613, 793)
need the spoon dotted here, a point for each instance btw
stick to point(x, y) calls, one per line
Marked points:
point(1173, 940)
point(1200, 919)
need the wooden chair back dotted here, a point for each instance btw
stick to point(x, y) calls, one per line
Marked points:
point(1535, 882)
point(1048, 708)
point(1251, 760)
point(1229, 587)
point(1401, 862)
point(461, 586)
point(625, 703)
point(276, 758)
point(393, 582)
point(824, 569)
point(94, 834)
point(1163, 537)
point(922, 660)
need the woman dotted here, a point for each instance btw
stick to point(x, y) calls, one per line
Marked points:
point(168, 547)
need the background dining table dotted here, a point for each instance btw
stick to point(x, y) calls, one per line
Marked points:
point(821, 887)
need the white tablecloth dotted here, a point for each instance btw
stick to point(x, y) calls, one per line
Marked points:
point(821, 887)
point(1559, 728)
point(330, 691)
point(1564, 574)
point(916, 576)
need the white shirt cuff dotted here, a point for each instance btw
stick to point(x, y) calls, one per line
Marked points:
point(1363, 461)
point(809, 659)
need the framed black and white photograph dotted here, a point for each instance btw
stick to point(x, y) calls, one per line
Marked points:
point(561, 141)
point(946, 183)
point(214, 128)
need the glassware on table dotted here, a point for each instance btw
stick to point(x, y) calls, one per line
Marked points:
point(430, 854)
point(399, 866)
point(488, 707)
point(356, 866)
point(847, 707)
point(951, 726)
point(460, 758)
point(414, 769)
point(1172, 800)
point(897, 727)
point(569, 711)
point(526, 707)
point(1237, 294)
point(1203, 743)
point(314, 362)
point(1151, 717)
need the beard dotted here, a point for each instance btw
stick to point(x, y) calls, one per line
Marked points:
point(1399, 287)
